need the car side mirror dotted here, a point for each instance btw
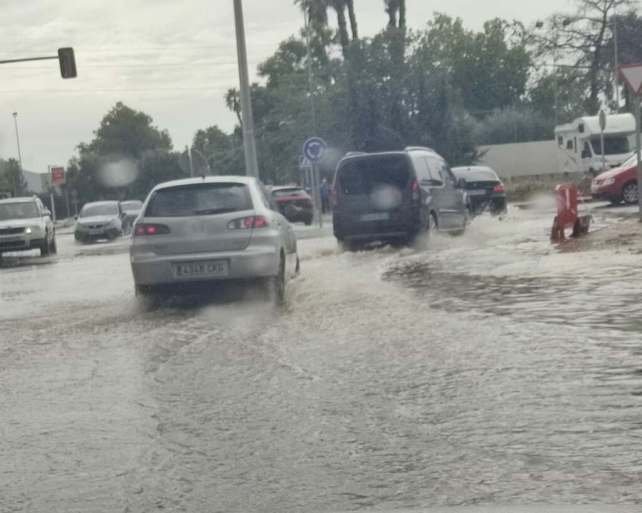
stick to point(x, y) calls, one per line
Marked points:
point(46, 213)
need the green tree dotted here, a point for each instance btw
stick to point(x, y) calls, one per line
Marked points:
point(126, 158)
point(583, 38)
point(512, 125)
point(11, 178)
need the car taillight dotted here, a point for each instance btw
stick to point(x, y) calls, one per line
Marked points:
point(144, 229)
point(414, 187)
point(248, 223)
point(499, 188)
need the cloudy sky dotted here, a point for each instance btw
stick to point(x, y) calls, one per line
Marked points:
point(172, 59)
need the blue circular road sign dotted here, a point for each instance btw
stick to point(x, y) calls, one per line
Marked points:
point(314, 148)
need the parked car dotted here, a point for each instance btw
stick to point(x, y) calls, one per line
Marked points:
point(131, 209)
point(619, 184)
point(211, 229)
point(484, 190)
point(99, 220)
point(395, 196)
point(294, 203)
point(25, 223)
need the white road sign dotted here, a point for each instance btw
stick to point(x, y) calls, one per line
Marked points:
point(632, 75)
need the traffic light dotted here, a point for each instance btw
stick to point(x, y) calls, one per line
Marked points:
point(67, 62)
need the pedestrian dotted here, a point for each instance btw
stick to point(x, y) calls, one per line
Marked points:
point(325, 196)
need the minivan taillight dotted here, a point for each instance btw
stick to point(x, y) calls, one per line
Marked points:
point(414, 187)
point(499, 188)
point(248, 223)
point(147, 229)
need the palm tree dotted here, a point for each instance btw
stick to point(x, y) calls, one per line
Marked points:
point(317, 13)
point(344, 37)
point(396, 10)
point(353, 20)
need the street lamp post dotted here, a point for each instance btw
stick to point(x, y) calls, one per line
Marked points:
point(19, 180)
point(249, 141)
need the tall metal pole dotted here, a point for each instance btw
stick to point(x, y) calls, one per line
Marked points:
point(20, 177)
point(638, 147)
point(249, 141)
point(617, 63)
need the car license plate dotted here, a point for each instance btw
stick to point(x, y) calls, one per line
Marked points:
point(213, 269)
point(478, 192)
point(96, 232)
point(377, 216)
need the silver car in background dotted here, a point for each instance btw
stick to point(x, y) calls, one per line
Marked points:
point(131, 210)
point(25, 223)
point(211, 229)
point(99, 220)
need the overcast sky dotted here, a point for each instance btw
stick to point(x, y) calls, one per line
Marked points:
point(172, 59)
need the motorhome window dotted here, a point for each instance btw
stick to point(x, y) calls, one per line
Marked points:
point(612, 145)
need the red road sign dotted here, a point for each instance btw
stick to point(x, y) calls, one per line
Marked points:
point(57, 176)
point(632, 75)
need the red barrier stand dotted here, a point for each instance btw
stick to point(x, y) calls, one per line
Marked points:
point(567, 214)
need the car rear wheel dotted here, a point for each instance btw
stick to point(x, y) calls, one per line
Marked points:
point(276, 285)
point(630, 193)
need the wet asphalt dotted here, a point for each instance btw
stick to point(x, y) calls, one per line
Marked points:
point(493, 368)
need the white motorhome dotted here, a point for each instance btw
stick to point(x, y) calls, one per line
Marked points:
point(579, 145)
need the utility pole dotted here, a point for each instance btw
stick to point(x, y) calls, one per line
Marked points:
point(190, 162)
point(617, 63)
point(638, 147)
point(20, 175)
point(249, 141)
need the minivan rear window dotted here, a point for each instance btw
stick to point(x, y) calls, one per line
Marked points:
point(199, 199)
point(363, 175)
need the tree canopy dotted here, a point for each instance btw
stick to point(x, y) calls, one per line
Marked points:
point(444, 85)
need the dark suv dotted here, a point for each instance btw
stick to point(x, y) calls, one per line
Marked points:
point(395, 196)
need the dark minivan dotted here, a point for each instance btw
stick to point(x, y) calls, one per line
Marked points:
point(395, 197)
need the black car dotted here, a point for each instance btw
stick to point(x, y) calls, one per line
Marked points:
point(485, 191)
point(395, 196)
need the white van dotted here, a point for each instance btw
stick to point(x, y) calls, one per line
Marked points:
point(579, 145)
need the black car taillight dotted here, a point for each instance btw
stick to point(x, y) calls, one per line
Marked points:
point(499, 188)
point(147, 229)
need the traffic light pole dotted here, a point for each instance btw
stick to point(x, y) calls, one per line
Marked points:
point(638, 149)
point(65, 57)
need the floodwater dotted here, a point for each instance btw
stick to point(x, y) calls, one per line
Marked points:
point(490, 369)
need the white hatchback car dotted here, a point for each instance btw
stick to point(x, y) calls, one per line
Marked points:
point(209, 229)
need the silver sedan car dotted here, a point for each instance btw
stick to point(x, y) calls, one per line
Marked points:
point(210, 229)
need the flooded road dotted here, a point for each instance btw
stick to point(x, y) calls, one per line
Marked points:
point(490, 369)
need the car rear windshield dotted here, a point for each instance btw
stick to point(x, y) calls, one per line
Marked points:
point(199, 199)
point(99, 210)
point(476, 175)
point(363, 175)
point(26, 210)
point(612, 145)
point(288, 192)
